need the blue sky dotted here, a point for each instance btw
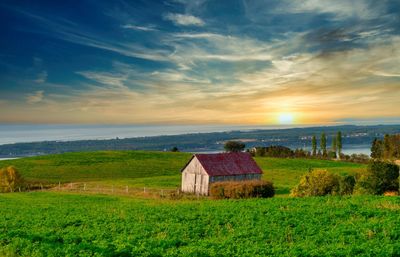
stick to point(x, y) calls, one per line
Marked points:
point(199, 62)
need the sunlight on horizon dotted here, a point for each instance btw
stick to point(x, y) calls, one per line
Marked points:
point(285, 118)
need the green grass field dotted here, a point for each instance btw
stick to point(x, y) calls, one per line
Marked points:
point(154, 169)
point(60, 224)
point(99, 166)
point(286, 173)
point(74, 224)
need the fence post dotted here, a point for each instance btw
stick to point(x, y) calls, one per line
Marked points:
point(59, 185)
point(19, 188)
point(127, 189)
point(144, 190)
point(41, 186)
point(162, 193)
point(84, 187)
point(70, 186)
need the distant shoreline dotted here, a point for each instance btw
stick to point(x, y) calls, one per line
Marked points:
point(13, 134)
point(356, 139)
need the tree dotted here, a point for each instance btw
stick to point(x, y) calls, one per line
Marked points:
point(234, 146)
point(390, 147)
point(174, 149)
point(387, 147)
point(377, 149)
point(380, 177)
point(10, 179)
point(334, 145)
point(314, 145)
point(339, 143)
point(323, 145)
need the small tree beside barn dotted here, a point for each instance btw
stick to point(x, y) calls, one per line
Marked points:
point(204, 169)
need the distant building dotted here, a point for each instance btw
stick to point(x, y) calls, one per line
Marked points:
point(204, 169)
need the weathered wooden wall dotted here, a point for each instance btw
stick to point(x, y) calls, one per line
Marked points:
point(195, 179)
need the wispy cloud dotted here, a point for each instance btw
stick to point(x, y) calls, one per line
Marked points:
point(313, 59)
point(184, 19)
point(68, 31)
point(139, 28)
point(361, 9)
point(36, 97)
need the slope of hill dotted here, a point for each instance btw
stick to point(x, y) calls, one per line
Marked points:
point(154, 169)
point(97, 166)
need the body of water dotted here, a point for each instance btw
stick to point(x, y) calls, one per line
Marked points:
point(4, 159)
point(358, 150)
point(10, 134)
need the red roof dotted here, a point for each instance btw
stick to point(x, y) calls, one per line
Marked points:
point(226, 164)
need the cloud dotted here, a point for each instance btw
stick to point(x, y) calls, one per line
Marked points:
point(323, 70)
point(184, 19)
point(362, 9)
point(41, 77)
point(35, 97)
point(70, 32)
point(139, 28)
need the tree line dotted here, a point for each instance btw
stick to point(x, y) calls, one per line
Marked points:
point(334, 152)
point(387, 148)
point(285, 152)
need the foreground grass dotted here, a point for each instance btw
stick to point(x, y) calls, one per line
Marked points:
point(55, 224)
point(154, 169)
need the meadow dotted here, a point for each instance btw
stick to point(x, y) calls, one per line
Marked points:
point(61, 224)
point(154, 169)
point(53, 223)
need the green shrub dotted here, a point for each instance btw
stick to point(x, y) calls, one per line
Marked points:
point(242, 189)
point(317, 183)
point(346, 185)
point(380, 177)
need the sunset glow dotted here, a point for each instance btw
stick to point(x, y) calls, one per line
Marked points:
point(200, 62)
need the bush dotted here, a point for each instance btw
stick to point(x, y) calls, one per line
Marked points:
point(242, 189)
point(380, 177)
point(346, 185)
point(10, 179)
point(317, 183)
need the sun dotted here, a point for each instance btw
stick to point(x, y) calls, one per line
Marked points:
point(285, 118)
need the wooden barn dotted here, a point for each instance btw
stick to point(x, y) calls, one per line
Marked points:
point(204, 169)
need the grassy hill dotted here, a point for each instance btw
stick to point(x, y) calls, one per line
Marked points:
point(286, 173)
point(59, 224)
point(101, 165)
point(71, 224)
point(154, 169)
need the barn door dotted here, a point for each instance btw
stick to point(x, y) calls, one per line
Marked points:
point(198, 180)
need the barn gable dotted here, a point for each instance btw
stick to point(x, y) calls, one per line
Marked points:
point(194, 178)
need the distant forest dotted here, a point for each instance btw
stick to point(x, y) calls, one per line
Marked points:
point(353, 136)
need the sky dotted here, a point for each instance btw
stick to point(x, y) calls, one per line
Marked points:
point(200, 62)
